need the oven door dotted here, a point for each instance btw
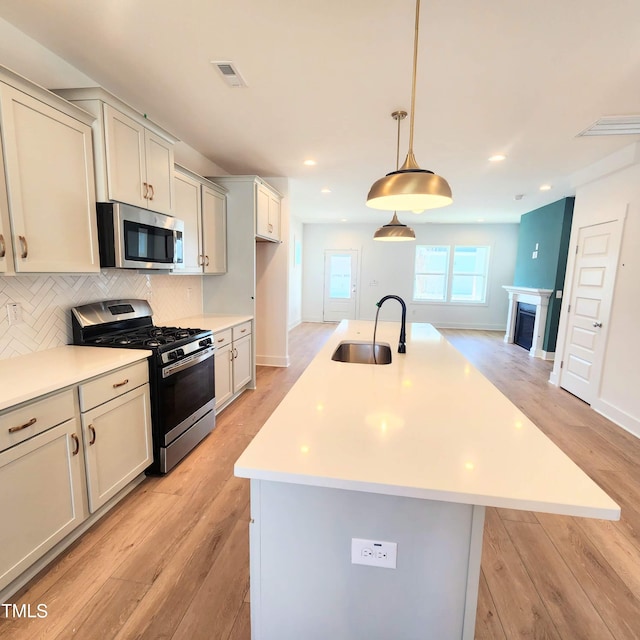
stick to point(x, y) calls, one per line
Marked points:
point(186, 393)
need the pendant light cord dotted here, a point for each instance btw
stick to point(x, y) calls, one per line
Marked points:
point(413, 84)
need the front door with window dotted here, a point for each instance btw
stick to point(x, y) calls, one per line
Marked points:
point(340, 277)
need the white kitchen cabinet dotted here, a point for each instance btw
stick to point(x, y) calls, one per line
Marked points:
point(50, 194)
point(233, 364)
point(214, 230)
point(6, 248)
point(43, 484)
point(202, 206)
point(223, 367)
point(267, 213)
point(242, 355)
point(133, 155)
point(116, 432)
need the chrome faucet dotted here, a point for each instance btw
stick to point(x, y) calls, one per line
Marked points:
point(402, 348)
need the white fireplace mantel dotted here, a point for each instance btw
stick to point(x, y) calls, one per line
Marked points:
point(538, 297)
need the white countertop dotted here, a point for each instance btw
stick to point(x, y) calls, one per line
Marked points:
point(35, 374)
point(210, 321)
point(429, 425)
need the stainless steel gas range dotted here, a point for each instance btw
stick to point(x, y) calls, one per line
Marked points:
point(181, 371)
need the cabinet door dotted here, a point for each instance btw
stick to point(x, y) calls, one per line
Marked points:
point(125, 147)
point(214, 231)
point(6, 252)
point(159, 161)
point(241, 363)
point(117, 441)
point(41, 499)
point(273, 226)
point(262, 211)
point(50, 185)
point(188, 209)
point(224, 374)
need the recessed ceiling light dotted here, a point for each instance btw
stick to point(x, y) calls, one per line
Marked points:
point(343, 219)
point(309, 163)
point(545, 187)
point(325, 190)
point(480, 219)
point(497, 158)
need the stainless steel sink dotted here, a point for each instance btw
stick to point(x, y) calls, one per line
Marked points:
point(361, 352)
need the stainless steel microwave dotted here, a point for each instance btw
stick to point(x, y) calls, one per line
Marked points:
point(134, 238)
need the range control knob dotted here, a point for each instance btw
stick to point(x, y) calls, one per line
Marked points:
point(205, 342)
point(180, 353)
point(172, 355)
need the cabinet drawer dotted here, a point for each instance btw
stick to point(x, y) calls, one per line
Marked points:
point(112, 385)
point(222, 338)
point(242, 330)
point(35, 417)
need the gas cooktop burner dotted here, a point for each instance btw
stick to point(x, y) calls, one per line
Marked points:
point(149, 337)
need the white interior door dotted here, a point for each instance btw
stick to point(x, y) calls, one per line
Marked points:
point(340, 278)
point(591, 294)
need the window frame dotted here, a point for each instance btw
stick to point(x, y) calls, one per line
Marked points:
point(449, 275)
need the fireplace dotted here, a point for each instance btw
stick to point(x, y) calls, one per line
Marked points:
point(525, 323)
point(527, 319)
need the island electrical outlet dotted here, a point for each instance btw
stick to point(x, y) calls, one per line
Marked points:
point(375, 553)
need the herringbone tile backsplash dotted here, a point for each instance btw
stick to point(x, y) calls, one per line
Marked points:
point(46, 301)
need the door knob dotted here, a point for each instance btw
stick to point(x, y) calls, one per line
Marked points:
point(597, 324)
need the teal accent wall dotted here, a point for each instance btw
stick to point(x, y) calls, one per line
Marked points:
point(549, 227)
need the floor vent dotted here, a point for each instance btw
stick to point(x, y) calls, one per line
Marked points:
point(230, 73)
point(613, 126)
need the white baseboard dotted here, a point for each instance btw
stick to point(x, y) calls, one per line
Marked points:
point(554, 379)
point(272, 361)
point(464, 325)
point(314, 319)
point(548, 355)
point(294, 324)
point(621, 418)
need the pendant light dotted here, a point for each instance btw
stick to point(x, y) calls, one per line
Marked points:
point(410, 188)
point(395, 231)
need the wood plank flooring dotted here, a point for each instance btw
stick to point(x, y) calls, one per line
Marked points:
point(170, 562)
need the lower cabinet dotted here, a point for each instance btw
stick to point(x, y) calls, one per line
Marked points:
point(53, 460)
point(233, 358)
point(41, 500)
point(117, 444)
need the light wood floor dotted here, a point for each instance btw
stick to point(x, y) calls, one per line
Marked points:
point(170, 561)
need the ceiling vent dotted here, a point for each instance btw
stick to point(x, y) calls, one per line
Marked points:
point(613, 126)
point(230, 73)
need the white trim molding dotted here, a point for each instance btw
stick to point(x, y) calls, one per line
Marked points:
point(537, 297)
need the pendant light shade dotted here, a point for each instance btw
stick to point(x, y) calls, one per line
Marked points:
point(394, 231)
point(410, 188)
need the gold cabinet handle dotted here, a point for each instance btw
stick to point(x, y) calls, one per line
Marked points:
point(270, 228)
point(76, 442)
point(220, 339)
point(206, 263)
point(145, 195)
point(153, 192)
point(235, 353)
point(3, 248)
point(243, 331)
point(230, 355)
point(25, 247)
point(201, 260)
point(23, 426)
point(93, 434)
point(121, 384)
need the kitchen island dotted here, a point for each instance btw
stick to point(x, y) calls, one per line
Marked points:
point(409, 453)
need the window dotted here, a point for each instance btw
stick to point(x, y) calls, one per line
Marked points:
point(443, 275)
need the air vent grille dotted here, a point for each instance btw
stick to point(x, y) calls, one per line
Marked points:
point(613, 126)
point(230, 73)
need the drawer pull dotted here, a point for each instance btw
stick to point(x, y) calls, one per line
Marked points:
point(93, 434)
point(25, 247)
point(220, 339)
point(243, 331)
point(23, 426)
point(76, 442)
point(121, 384)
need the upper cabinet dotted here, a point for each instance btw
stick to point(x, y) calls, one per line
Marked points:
point(255, 197)
point(267, 213)
point(202, 205)
point(134, 156)
point(47, 192)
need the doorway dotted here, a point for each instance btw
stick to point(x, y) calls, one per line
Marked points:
point(340, 285)
point(591, 294)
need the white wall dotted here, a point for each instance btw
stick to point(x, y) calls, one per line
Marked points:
point(387, 268)
point(295, 272)
point(615, 196)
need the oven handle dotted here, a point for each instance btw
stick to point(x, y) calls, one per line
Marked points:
point(188, 362)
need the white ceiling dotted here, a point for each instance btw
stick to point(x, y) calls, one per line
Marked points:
point(494, 76)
